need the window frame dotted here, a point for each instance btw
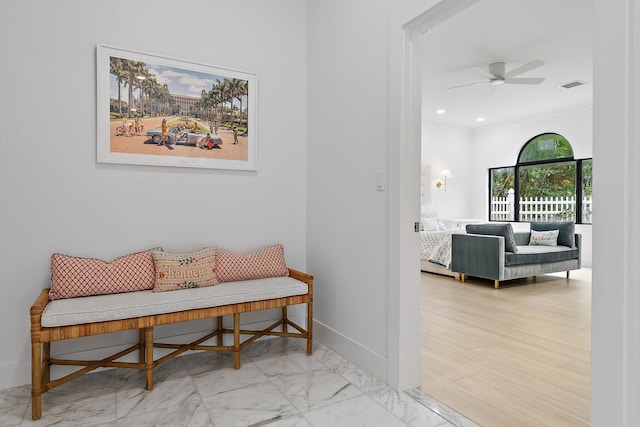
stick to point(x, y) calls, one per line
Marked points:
point(579, 184)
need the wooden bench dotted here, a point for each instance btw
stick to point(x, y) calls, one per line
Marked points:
point(54, 321)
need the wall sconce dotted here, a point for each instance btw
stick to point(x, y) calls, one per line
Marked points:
point(441, 183)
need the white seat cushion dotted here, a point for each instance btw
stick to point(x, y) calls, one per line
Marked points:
point(127, 305)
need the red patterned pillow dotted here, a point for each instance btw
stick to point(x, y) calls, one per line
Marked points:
point(182, 271)
point(78, 277)
point(267, 262)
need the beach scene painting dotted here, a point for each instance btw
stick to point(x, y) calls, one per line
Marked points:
point(161, 111)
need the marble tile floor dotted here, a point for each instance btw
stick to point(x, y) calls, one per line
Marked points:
point(277, 385)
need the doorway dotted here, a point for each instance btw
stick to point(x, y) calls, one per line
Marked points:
point(440, 16)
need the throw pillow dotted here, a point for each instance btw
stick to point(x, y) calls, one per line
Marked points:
point(187, 270)
point(263, 263)
point(567, 236)
point(504, 230)
point(79, 277)
point(544, 238)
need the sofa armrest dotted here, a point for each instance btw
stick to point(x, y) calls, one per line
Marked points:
point(477, 255)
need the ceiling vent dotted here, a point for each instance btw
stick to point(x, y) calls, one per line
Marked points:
point(573, 84)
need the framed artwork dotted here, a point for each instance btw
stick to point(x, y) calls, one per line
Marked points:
point(161, 111)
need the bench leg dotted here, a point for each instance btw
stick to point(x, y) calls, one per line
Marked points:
point(148, 358)
point(220, 335)
point(567, 274)
point(236, 340)
point(46, 358)
point(143, 348)
point(36, 380)
point(284, 317)
point(309, 328)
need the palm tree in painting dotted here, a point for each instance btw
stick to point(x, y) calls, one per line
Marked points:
point(116, 67)
point(240, 90)
point(132, 70)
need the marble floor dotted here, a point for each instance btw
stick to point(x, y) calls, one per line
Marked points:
point(277, 385)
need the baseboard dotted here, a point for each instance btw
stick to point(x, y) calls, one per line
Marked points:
point(362, 356)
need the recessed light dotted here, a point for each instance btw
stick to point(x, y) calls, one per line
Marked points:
point(440, 111)
point(480, 119)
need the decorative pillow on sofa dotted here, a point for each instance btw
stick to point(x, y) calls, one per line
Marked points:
point(504, 230)
point(79, 277)
point(263, 263)
point(544, 238)
point(567, 235)
point(182, 271)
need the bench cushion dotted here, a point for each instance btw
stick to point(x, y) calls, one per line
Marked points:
point(146, 303)
point(540, 254)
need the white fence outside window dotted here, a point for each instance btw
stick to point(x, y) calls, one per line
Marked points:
point(540, 208)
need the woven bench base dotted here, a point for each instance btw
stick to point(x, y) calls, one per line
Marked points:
point(41, 338)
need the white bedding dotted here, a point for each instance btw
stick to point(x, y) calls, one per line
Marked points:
point(435, 247)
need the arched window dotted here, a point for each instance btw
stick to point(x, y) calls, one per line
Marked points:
point(548, 146)
point(546, 184)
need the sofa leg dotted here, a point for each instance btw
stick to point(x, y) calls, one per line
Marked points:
point(496, 284)
point(462, 277)
point(567, 274)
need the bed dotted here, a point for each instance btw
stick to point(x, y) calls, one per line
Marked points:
point(435, 252)
point(435, 243)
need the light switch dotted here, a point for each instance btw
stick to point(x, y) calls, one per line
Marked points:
point(380, 184)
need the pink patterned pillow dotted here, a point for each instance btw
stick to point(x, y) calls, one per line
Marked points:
point(267, 262)
point(78, 277)
point(183, 271)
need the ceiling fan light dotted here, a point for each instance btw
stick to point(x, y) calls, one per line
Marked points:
point(496, 82)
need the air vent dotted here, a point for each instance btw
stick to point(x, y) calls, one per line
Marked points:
point(573, 84)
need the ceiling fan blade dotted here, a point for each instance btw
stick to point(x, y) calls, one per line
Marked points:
point(470, 84)
point(524, 68)
point(525, 81)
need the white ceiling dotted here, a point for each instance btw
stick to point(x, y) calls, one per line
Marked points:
point(557, 32)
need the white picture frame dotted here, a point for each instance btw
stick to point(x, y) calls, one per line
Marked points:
point(137, 91)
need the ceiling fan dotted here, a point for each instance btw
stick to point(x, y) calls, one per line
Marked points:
point(497, 75)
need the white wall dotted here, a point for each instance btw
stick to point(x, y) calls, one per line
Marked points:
point(449, 147)
point(347, 231)
point(56, 198)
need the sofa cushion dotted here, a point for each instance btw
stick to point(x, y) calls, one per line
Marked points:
point(567, 235)
point(185, 270)
point(504, 230)
point(267, 262)
point(540, 254)
point(544, 238)
point(78, 277)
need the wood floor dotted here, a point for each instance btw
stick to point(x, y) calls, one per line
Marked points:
point(515, 356)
